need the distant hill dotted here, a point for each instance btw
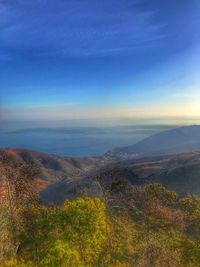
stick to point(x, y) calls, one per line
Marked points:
point(179, 140)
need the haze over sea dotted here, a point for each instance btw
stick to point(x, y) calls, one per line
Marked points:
point(82, 139)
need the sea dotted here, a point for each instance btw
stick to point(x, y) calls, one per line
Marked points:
point(76, 140)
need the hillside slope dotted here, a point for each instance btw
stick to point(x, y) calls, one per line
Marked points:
point(179, 172)
point(53, 168)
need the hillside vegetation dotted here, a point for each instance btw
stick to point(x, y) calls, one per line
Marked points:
point(135, 226)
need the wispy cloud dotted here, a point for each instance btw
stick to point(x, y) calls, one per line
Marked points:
point(77, 27)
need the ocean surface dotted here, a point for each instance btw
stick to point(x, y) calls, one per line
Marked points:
point(77, 141)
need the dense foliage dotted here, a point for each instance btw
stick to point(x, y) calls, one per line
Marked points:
point(147, 226)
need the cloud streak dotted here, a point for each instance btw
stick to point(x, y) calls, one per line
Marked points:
point(77, 27)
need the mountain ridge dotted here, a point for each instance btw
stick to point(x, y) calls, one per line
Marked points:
point(173, 141)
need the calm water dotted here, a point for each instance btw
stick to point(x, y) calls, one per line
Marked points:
point(76, 141)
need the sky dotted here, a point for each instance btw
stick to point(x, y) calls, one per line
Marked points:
point(89, 59)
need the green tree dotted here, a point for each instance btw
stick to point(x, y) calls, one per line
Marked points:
point(75, 232)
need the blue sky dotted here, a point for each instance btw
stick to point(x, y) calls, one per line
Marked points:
point(98, 59)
